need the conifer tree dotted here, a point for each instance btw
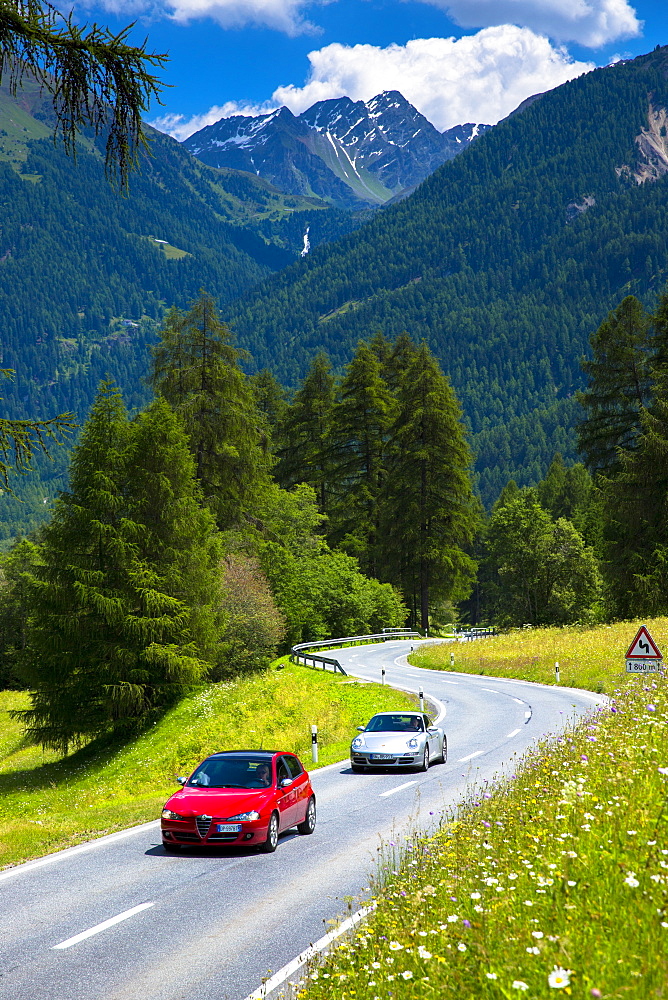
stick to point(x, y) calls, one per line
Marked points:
point(304, 432)
point(197, 370)
point(122, 613)
point(401, 356)
point(635, 518)
point(17, 569)
point(95, 78)
point(619, 386)
point(430, 514)
point(361, 421)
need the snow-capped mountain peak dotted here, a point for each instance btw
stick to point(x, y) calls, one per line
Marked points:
point(342, 150)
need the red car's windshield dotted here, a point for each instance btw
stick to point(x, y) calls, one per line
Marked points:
point(233, 772)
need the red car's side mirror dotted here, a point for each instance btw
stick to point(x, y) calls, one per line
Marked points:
point(285, 782)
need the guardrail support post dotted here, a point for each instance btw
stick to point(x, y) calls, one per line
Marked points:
point(314, 744)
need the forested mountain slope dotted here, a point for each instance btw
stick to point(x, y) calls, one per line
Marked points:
point(504, 260)
point(87, 271)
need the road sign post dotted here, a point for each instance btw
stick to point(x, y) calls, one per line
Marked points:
point(643, 655)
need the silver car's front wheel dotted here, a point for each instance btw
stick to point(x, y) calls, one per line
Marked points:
point(424, 766)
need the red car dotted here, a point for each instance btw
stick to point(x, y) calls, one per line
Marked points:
point(240, 798)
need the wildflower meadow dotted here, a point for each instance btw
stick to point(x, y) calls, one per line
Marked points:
point(554, 882)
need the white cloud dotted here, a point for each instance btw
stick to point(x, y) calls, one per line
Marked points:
point(181, 127)
point(280, 15)
point(589, 22)
point(476, 78)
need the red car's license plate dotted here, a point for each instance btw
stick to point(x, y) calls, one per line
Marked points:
point(228, 828)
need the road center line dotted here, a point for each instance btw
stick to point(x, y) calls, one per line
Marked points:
point(514, 733)
point(102, 927)
point(462, 760)
point(518, 701)
point(491, 690)
point(399, 788)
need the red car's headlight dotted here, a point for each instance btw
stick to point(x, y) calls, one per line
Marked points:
point(246, 817)
point(168, 814)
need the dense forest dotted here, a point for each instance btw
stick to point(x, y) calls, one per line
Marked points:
point(504, 261)
point(173, 556)
point(226, 520)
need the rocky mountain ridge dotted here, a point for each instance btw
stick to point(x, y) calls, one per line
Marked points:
point(348, 152)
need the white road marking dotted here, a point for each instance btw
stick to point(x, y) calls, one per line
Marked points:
point(102, 927)
point(527, 715)
point(79, 849)
point(462, 760)
point(491, 690)
point(518, 701)
point(288, 970)
point(514, 733)
point(399, 788)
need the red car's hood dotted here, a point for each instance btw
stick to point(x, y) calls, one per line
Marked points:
point(218, 801)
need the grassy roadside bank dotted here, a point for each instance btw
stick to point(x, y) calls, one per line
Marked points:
point(591, 658)
point(48, 802)
point(555, 882)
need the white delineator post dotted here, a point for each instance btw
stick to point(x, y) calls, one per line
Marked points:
point(421, 693)
point(314, 744)
point(382, 675)
point(556, 671)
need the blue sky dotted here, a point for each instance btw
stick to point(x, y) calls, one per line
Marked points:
point(456, 60)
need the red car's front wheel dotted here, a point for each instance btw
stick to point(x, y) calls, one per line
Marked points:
point(308, 826)
point(271, 843)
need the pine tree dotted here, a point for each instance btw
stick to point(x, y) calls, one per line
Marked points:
point(635, 518)
point(304, 433)
point(121, 611)
point(198, 372)
point(619, 386)
point(360, 425)
point(430, 514)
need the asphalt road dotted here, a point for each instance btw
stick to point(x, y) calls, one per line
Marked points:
point(211, 926)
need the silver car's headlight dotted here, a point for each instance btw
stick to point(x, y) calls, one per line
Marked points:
point(168, 814)
point(413, 744)
point(246, 817)
point(358, 743)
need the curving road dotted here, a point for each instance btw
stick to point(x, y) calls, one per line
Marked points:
point(118, 919)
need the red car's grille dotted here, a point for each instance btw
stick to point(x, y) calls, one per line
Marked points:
point(203, 824)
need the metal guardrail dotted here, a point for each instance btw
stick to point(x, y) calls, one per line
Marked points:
point(474, 633)
point(300, 654)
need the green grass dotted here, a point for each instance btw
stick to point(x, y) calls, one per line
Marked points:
point(48, 802)
point(170, 252)
point(591, 658)
point(554, 882)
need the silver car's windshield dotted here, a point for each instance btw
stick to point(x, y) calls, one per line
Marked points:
point(399, 722)
point(233, 772)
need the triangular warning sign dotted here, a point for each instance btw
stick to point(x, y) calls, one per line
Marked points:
point(643, 647)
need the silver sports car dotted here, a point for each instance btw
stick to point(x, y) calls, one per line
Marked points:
point(398, 739)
